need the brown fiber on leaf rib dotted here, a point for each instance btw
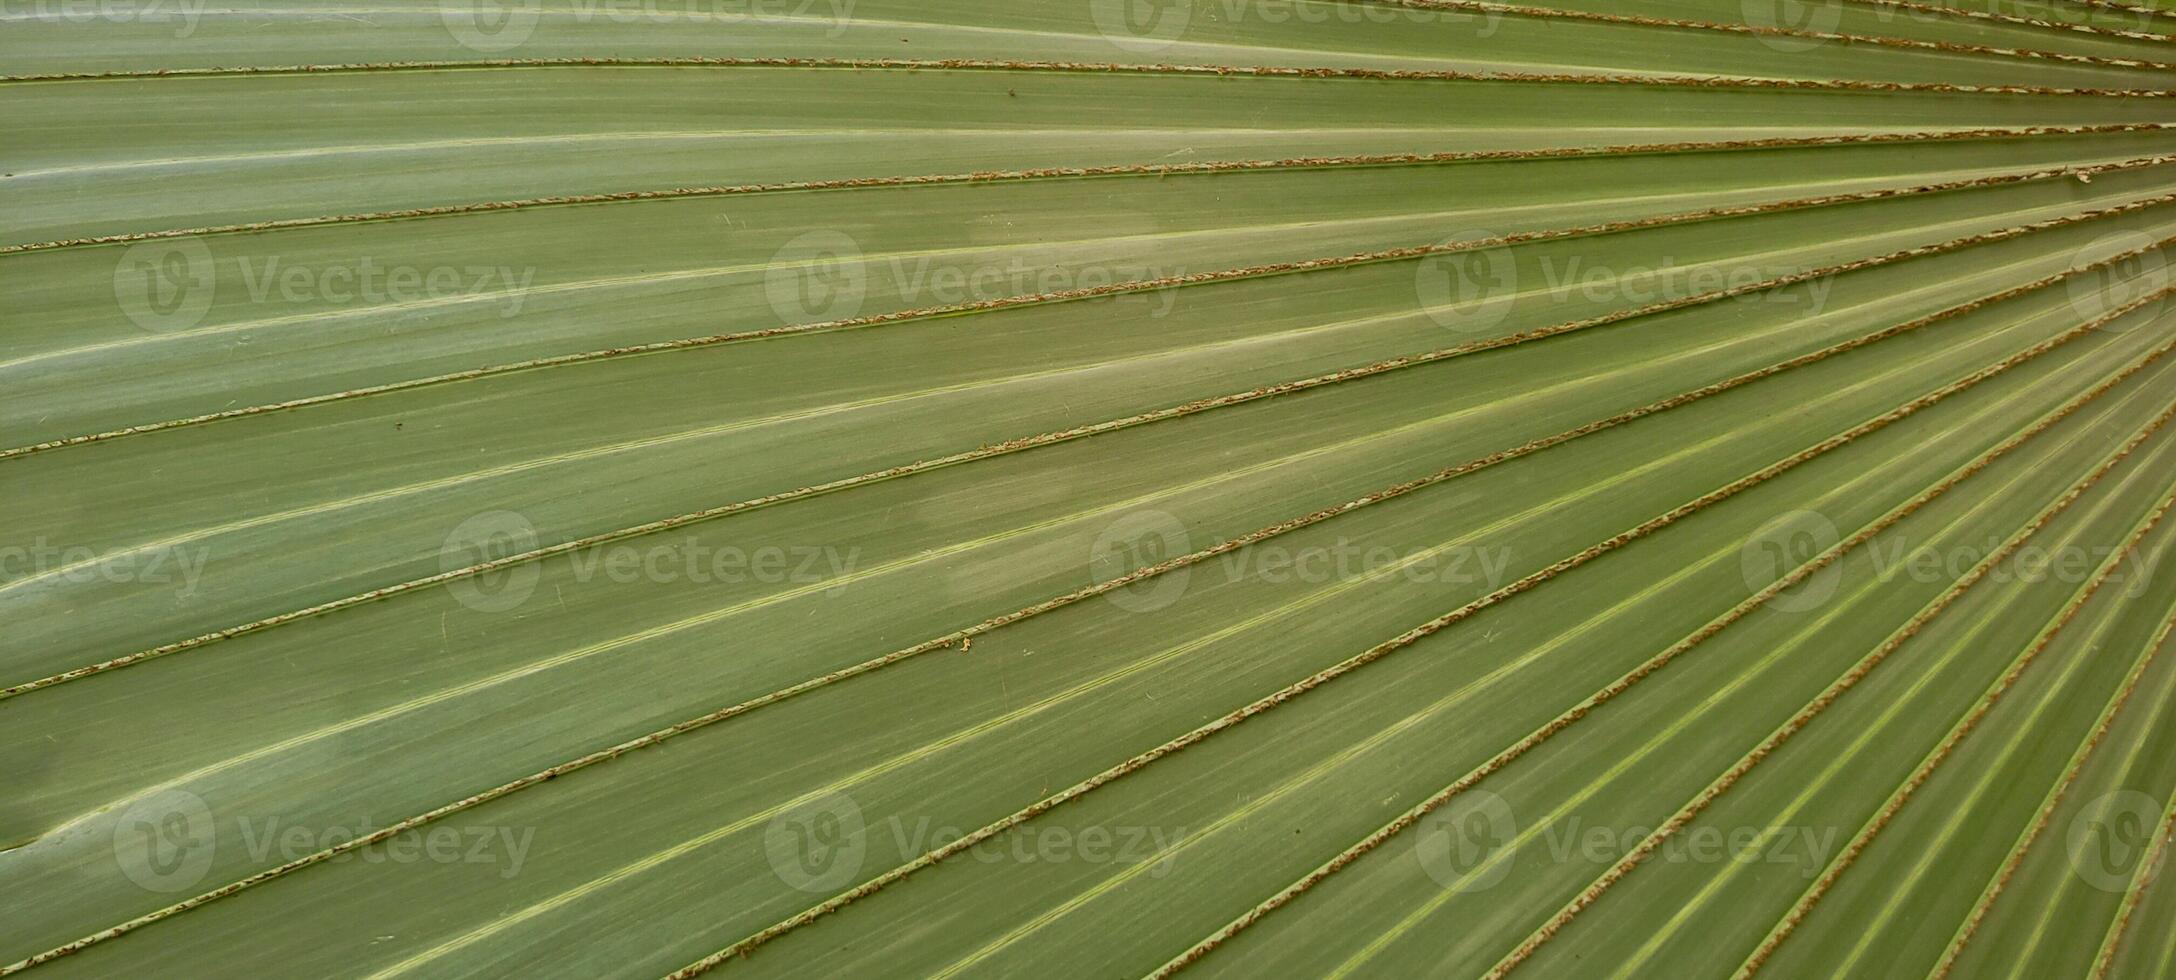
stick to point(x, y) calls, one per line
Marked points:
point(1111, 170)
point(2129, 8)
point(1947, 47)
point(974, 64)
point(1990, 15)
point(1858, 672)
point(1188, 408)
point(1641, 672)
point(1114, 424)
point(1228, 275)
point(1406, 639)
point(1964, 727)
point(966, 635)
point(2040, 821)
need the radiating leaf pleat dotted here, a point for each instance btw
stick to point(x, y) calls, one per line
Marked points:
point(1227, 487)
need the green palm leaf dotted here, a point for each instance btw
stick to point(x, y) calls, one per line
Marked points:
point(960, 488)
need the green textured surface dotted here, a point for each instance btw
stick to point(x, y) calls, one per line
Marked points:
point(356, 480)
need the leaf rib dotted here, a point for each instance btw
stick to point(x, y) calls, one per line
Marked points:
point(1998, 17)
point(2147, 9)
point(1384, 649)
point(1113, 425)
point(2141, 878)
point(1468, 689)
point(971, 64)
point(1957, 734)
point(1629, 20)
point(1947, 47)
point(1797, 722)
point(1258, 535)
point(2033, 938)
point(947, 640)
point(2031, 834)
point(1656, 663)
point(1112, 170)
point(1228, 275)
